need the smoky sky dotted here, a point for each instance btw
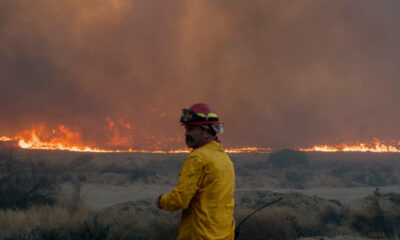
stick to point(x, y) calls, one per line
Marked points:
point(278, 73)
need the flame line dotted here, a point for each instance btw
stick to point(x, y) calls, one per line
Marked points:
point(36, 143)
point(377, 147)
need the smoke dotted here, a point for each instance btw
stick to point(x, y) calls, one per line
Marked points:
point(278, 73)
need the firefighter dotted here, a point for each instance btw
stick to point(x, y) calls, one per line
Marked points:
point(206, 182)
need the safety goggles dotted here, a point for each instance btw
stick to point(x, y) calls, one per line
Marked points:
point(189, 116)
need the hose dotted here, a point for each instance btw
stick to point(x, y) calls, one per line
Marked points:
point(237, 229)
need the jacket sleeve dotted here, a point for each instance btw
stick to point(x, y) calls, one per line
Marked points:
point(188, 183)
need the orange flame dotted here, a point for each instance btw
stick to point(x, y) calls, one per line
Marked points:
point(65, 138)
point(248, 150)
point(36, 143)
point(4, 138)
point(69, 140)
point(377, 146)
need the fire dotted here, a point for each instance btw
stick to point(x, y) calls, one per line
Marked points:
point(36, 143)
point(322, 148)
point(65, 143)
point(248, 150)
point(68, 139)
point(377, 146)
point(4, 138)
point(120, 139)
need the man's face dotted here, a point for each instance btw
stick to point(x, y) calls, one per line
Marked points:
point(194, 135)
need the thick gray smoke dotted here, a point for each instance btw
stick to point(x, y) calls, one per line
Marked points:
point(279, 73)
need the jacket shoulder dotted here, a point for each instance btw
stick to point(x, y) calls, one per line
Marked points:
point(209, 151)
point(196, 156)
point(203, 151)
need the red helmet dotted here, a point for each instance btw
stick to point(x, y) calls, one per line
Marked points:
point(198, 114)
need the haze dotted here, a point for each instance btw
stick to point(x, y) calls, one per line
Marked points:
point(278, 73)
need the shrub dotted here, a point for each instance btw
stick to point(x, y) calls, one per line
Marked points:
point(90, 229)
point(22, 184)
point(80, 161)
point(379, 176)
point(272, 223)
point(288, 158)
point(333, 215)
point(143, 173)
point(114, 168)
point(371, 221)
point(297, 179)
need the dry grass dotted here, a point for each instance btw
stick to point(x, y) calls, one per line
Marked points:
point(19, 224)
point(378, 219)
point(296, 216)
point(273, 223)
point(59, 222)
point(278, 222)
point(256, 170)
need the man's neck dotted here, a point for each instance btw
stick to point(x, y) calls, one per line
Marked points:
point(205, 141)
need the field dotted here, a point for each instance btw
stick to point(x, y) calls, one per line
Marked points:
point(67, 195)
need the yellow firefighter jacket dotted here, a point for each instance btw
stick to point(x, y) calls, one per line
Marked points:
point(205, 193)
